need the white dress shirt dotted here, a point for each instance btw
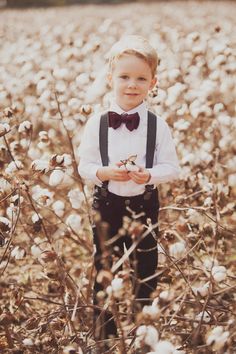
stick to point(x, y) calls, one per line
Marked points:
point(123, 143)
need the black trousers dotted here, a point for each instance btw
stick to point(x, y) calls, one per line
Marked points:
point(112, 208)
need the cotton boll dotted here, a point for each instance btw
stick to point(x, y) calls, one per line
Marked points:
point(232, 180)
point(74, 104)
point(59, 208)
point(181, 125)
point(40, 165)
point(164, 347)
point(166, 295)
point(28, 342)
point(11, 211)
point(147, 335)
point(177, 249)
point(130, 167)
point(34, 153)
point(194, 216)
point(74, 221)
point(219, 273)
point(161, 255)
point(188, 158)
point(217, 338)
point(18, 253)
point(218, 107)
point(42, 85)
point(4, 185)
point(62, 74)
point(13, 167)
point(42, 195)
point(173, 74)
point(36, 251)
point(224, 119)
point(70, 124)
point(202, 290)
point(208, 202)
point(25, 126)
point(5, 224)
point(116, 288)
point(152, 311)
point(56, 178)
point(76, 198)
point(67, 160)
point(35, 217)
point(209, 263)
point(182, 110)
point(204, 317)
point(4, 128)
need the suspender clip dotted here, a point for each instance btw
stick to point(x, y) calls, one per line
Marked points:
point(148, 191)
point(104, 190)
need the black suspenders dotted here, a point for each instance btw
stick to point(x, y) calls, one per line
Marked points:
point(150, 147)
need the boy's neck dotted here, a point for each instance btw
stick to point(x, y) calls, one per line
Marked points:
point(130, 109)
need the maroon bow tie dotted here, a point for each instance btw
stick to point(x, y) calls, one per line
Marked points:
point(131, 120)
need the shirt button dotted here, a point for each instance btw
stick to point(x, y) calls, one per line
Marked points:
point(127, 202)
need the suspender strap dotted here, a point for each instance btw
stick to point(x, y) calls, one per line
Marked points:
point(103, 139)
point(103, 146)
point(150, 149)
point(151, 139)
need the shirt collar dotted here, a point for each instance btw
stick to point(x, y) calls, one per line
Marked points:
point(141, 109)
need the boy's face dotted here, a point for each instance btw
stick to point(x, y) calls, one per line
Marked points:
point(131, 79)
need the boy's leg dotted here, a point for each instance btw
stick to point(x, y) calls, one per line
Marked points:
point(146, 253)
point(103, 322)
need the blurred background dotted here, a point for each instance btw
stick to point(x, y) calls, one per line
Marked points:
point(22, 3)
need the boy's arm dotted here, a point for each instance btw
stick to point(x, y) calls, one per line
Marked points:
point(90, 159)
point(165, 165)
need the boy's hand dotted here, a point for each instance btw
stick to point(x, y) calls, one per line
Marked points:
point(140, 177)
point(108, 173)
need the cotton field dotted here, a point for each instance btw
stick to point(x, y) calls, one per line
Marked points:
point(52, 79)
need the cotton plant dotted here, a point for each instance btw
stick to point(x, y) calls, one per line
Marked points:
point(204, 63)
point(219, 273)
point(56, 177)
point(202, 289)
point(148, 336)
point(59, 208)
point(74, 222)
point(40, 165)
point(13, 167)
point(4, 129)
point(152, 311)
point(177, 249)
point(76, 198)
point(42, 195)
point(116, 289)
point(217, 338)
point(25, 126)
point(203, 316)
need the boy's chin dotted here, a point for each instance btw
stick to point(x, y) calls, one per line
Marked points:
point(127, 106)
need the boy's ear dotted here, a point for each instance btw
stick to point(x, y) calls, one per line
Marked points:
point(109, 79)
point(153, 82)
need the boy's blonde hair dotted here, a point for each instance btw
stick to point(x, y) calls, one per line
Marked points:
point(135, 45)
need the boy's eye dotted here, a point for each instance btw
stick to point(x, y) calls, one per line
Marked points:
point(142, 78)
point(124, 77)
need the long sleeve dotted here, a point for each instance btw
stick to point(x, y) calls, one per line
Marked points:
point(165, 165)
point(90, 159)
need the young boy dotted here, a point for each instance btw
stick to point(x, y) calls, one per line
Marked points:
point(132, 74)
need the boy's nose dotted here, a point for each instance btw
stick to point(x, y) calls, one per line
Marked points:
point(132, 83)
